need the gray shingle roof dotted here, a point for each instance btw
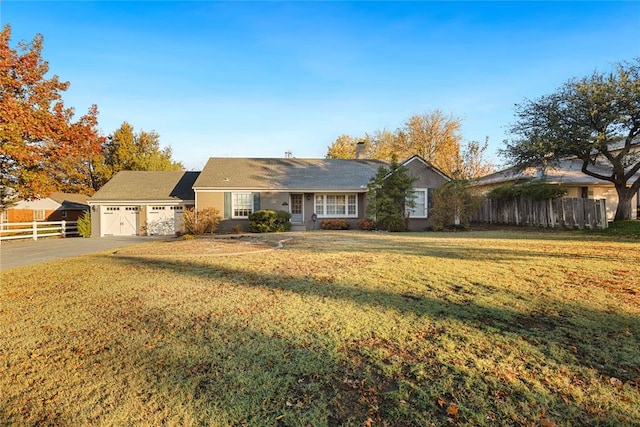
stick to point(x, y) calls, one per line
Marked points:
point(144, 185)
point(568, 171)
point(287, 174)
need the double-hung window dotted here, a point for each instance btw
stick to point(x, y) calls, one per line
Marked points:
point(420, 203)
point(242, 204)
point(336, 205)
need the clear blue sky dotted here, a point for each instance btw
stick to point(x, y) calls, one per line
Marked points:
point(260, 78)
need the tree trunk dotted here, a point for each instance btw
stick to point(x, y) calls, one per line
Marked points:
point(625, 195)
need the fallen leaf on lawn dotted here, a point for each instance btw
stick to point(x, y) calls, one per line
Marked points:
point(546, 422)
point(441, 402)
point(452, 410)
point(615, 382)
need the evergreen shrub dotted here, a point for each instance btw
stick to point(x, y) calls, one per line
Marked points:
point(269, 221)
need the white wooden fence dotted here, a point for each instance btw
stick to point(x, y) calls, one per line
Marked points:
point(36, 229)
point(566, 212)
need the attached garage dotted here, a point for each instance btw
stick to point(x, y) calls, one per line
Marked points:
point(142, 203)
point(120, 221)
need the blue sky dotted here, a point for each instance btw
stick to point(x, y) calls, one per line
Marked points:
point(260, 78)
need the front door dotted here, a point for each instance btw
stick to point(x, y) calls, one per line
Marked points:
point(297, 212)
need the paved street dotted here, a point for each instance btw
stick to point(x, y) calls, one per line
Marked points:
point(17, 253)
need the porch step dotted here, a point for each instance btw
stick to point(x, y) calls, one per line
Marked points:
point(298, 226)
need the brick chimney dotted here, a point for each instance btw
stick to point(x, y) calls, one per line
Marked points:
point(360, 154)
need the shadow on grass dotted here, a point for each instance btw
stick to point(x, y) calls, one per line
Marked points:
point(449, 245)
point(573, 336)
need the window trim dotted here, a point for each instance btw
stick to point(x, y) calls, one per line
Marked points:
point(346, 205)
point(233, 204)
point(426, 204)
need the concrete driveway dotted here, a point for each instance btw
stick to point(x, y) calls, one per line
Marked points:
point(17, 253)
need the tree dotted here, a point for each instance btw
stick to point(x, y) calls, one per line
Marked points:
point(433, 136)
point(453, 205)
point(8, 197)
point(36, 129)
point(388, 196)
point(344, 147)
point(473, 164)
point(594, 119)
point(127, 150)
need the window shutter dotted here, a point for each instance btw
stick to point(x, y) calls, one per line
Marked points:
point(227, 205)
point(256, 202)
point(429, 200)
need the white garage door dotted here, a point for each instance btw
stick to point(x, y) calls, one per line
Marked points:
point(120, 220)
point(163, 220)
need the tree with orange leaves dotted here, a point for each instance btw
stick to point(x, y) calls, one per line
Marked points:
point(41, 148)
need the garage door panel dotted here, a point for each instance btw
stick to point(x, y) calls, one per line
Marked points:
point(120, 220)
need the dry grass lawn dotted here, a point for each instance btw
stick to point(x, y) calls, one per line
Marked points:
point(334, 328)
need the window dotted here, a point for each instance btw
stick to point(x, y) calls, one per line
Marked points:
point(420, 204)
point(242, 205)
point(336, 205)
point(38, 215)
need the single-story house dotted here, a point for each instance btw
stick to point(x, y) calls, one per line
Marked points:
point(236, 187)
point(568, 173)
point(142, 203)
point(57, 207)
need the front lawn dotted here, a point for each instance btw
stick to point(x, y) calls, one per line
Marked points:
point(334, 328)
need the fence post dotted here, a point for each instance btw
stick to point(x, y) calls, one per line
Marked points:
point(63, 228)
point(35, 230)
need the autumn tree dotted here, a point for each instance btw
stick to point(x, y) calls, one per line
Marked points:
point(473, 162)
point(434, 136)
point(344, 147)
point(38, 138)
point(8, 197)
point(128, 150)
point(594, 119)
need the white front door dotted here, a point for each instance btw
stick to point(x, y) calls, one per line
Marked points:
point(297, 208)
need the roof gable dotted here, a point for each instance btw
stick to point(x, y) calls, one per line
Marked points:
point(417, 158)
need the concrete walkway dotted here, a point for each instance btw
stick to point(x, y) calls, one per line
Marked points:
point(17, 253)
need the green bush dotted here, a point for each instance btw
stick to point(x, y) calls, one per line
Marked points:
point(530, 190)
point(395, 222)
point(269, 221)
point(334, 224)
point(84, 224)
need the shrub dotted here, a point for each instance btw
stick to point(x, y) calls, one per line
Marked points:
point(530, 189)
point(367, 224)
point(84, 224)
point(453, 205)
point(395, 222)
point(334, 224)
point(269, 221)
point(201, 222)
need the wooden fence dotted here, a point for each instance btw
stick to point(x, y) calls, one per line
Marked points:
point(36, 229)
point(566, 212)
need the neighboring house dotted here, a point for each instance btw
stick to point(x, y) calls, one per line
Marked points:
point(568, 173)
point(142, 203)
point(236, 187)
point(72, 206)
point(56, 207)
